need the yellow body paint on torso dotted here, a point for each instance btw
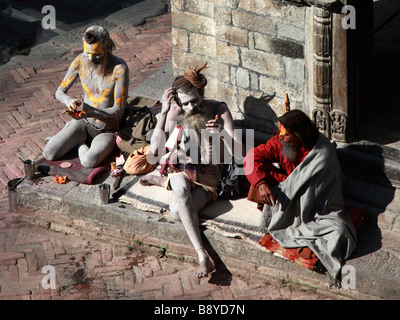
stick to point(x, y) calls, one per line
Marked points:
point(95, 101)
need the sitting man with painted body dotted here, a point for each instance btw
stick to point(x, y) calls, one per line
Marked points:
point(303, 201)
point(186, 117)
point(105, 80)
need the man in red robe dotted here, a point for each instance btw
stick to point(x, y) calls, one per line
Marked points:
point(296, 138)
point(303, 200)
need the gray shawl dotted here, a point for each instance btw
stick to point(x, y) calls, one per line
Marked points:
point(310, 210)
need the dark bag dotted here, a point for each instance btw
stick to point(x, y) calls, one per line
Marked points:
point(138, 121)
point(229, 178)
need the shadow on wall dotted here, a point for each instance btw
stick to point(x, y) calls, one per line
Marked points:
point(259, 115)
point(367, 183)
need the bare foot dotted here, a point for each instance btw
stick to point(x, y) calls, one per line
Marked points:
point(151, 179)
point(205, 267)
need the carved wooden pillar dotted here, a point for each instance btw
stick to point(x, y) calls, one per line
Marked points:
point(322, 66)
point(340, 113)
point(340, 81)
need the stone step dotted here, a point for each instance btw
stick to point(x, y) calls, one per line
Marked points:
point(371, 181)
point(381, 203)
point(73, 209)
point(22, 16)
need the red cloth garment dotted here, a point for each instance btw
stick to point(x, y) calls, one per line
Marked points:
point(304, 255)
point(259, 169)
point(258, 163)
point(171, 163)
point(307, 260)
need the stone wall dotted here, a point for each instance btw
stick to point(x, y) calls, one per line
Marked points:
point(255, 50)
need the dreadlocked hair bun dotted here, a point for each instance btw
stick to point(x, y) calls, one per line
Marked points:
point(194, 76)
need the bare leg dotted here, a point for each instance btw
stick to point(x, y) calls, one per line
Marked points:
point(151, 179)
point(101, 146)
point(68, 138)
point(199, 199)
point(183, 202)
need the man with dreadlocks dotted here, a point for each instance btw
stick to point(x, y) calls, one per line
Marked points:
point(105, 80)
point(185, 118)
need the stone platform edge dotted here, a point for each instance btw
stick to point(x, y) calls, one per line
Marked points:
point(73, 209)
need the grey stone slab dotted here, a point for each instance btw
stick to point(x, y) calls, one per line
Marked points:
point(282, 47)
point(16, 35)
point(289, 31)
point(41, 54)
point(378, 271)
point(42, 193)
point(76, 34)
point(155, 85)
point(61, 44)
point(136, 15)
point(295, 71)
point(372, 162)
point(5, 68)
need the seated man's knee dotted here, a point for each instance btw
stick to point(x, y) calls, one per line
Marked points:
point(49, 153)
point(175, 214)
point(88, 161)
point(181, 191)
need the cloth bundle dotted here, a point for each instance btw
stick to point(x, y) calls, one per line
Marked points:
point(137, 163)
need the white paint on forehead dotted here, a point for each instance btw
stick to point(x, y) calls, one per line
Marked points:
point(190, 96)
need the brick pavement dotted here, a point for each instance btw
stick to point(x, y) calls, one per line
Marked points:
point(86, 268)
point(89, 269)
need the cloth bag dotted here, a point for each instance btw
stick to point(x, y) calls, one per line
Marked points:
point(137, 164)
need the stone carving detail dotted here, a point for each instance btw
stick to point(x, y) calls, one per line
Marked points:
point(322, 69)
point(333, 123)
point(322, 121)
point(326, 4)
point(338, 125)
point(322, 59)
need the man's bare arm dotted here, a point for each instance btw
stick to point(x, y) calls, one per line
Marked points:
point(68, 81)
point(158, 138)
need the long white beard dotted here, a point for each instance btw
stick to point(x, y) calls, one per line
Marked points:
point(196, 122)
point(289, 151)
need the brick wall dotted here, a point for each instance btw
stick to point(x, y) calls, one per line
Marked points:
point(255, 48)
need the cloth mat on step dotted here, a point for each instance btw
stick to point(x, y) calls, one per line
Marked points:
point(71, 167)
point(153, 199)
point(234, 218)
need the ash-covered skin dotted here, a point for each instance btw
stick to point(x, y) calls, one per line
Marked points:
point(105, 80)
